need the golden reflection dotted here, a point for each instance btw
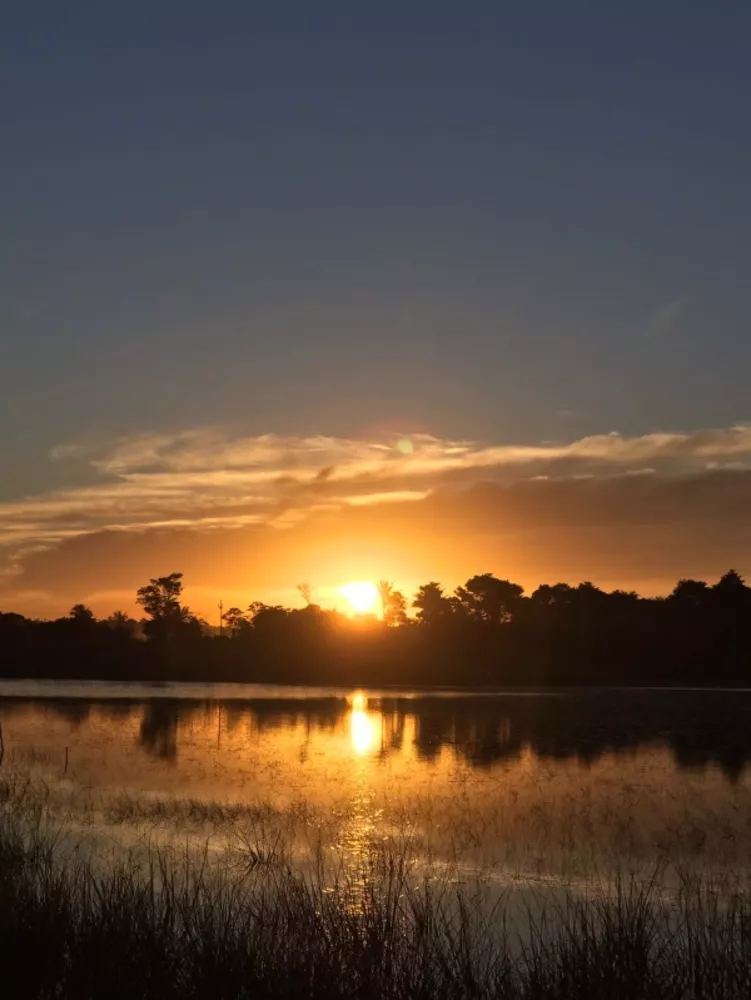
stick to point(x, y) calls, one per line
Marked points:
point(366, 728)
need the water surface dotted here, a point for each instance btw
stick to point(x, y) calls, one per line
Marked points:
point(552, 787)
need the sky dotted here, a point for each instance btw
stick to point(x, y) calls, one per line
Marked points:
point(334, 291)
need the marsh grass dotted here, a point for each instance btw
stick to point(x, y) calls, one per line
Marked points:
point(241, 923)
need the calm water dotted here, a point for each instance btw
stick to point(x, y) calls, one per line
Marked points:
point(519, 787)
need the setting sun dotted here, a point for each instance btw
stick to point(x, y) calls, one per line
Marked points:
point(362, 596)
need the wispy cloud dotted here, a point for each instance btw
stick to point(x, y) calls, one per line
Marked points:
point(209, 478)
point(209, 456)
point(664, 320)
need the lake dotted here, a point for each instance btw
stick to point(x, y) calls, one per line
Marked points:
point(519, 789)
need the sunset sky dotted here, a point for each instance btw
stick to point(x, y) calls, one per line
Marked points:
point(336, 291)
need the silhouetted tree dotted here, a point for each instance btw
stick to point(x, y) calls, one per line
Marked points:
point(546, 595)
point(589, 604)
point(731, 590)
point(161, 597)
point(10, 621)
point(265, 617)
point(488, 599)
point(82, 615)
point(236, 621)
point(692, 592)
point(122, 623)
point(168, 618)
point(432, 604)
point(395, 613)
point(624, 597)
point(393, 604)
point(587, 595)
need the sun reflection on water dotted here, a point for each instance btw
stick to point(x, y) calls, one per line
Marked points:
point(359, 834)
point(366, 728)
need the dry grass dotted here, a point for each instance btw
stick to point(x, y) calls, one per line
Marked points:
point(244, 922)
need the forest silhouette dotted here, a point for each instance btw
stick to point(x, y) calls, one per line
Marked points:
point(487, 633)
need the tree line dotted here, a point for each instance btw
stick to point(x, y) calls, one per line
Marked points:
point(486, 632)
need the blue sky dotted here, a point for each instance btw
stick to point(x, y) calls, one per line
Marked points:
point(497, 222)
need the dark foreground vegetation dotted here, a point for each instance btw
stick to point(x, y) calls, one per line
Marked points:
point(186, 927)
point(486, 633)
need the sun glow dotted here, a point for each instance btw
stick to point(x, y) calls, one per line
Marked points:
point(362, 596)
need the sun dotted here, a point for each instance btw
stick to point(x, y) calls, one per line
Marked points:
point(362, 596)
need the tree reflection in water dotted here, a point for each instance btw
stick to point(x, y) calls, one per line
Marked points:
point(700, 727)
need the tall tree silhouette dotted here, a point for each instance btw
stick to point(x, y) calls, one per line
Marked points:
point(486, 598)
point(160, 599)
point(731, 593)
point(432, 604)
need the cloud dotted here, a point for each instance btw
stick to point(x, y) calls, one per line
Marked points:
point(66, 452)
point(205, 478)
point(208, 455)
point(663, 320)
point(272, 494)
